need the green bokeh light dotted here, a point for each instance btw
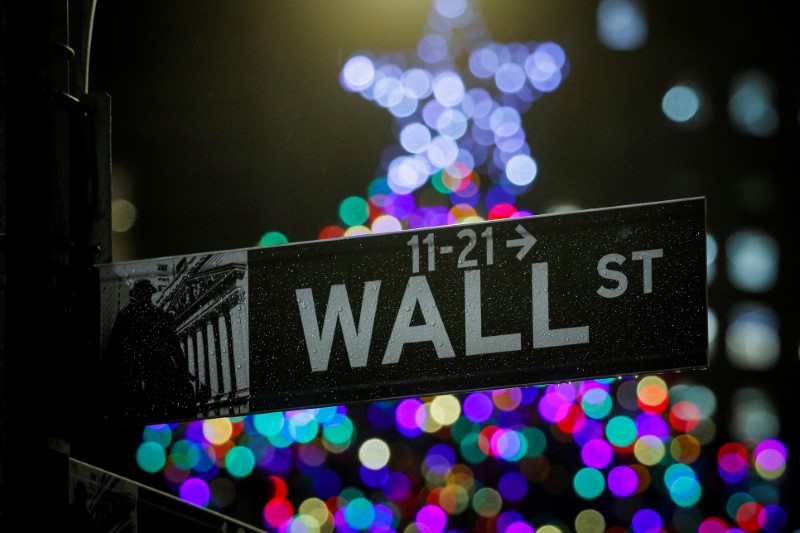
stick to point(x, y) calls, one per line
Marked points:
point(340, 433)
point(436, 181)
point(589, 483)
point(470, 449)
point(185, 454)
point(359, 513)
point(536, 441)
point(281, 439)
point(151, 457)
point(621, 431)
point(596, 403)
point(269, 423)
point(240, 461)
point(272, 238)
point(161, 434)
point(303, 427)
point(354, 210)
point(685, 491)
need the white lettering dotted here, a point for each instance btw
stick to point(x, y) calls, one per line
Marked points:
point(614, 275)
point(646, 257)
point(543, 336)
point(476, 344)
point(418, 292)
point(357, 341)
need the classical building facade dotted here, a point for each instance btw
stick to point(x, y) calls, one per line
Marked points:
point(207, 297)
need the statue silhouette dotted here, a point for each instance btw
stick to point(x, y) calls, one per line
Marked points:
point(146, 355)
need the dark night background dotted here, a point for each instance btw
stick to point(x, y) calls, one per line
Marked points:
point(229, 121)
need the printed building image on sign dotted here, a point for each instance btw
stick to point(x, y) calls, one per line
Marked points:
point(495, 304)
point(174, 337)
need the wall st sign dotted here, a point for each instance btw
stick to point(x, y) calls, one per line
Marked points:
point(495, 304)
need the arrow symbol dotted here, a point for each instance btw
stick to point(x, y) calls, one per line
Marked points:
point(525, 242)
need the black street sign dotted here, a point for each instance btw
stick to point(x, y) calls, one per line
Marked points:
point(497, 304)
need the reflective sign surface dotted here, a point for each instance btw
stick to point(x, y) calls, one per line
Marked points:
point(495, 304)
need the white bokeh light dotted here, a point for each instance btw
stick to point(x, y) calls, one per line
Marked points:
point(374, 454)
point(448, 88)
point(681, 103)
point(752, 257)
point(621, 24)
point(358, 73)
point(754, 415)
point(415, 138)
point(751, 104)
point(521, 170)
point(751, 340)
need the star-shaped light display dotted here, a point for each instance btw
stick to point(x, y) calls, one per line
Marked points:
point(457, 100)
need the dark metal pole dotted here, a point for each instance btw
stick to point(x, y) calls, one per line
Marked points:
point(53, 211)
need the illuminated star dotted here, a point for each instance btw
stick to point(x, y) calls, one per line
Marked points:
point(454, 127)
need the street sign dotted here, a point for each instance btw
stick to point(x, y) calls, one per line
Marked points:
point(496, 304)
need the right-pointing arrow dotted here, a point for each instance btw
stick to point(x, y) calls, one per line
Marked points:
point(525, 242)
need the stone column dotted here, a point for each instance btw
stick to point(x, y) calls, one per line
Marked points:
point(202, 359)
point(213, 358)
point(223, 344)
point(241, 346)
point(191, 354)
